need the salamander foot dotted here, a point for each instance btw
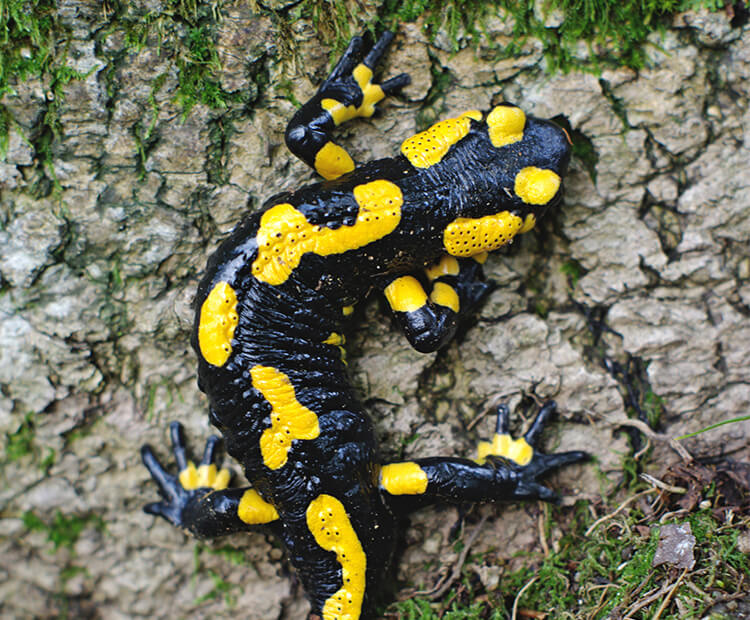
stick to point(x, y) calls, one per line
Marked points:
point(522, 454)
point(191, 483)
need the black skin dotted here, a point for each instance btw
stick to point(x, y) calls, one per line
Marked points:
point(284, 326)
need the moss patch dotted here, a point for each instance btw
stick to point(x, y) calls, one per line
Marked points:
point(28, 33)
point(62, 531)
point(22, 443)
point(32, 41)
point(26, 39)
point(186, 32)
point(615, 32)
point(602, 566)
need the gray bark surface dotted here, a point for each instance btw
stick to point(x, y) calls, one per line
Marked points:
point(97, 278)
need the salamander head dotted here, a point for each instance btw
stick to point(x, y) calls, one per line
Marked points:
point(504, 170)
point(531, 157)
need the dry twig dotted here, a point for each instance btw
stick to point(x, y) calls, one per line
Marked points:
point(618, 510)
point(669, 595)
point(514, 613)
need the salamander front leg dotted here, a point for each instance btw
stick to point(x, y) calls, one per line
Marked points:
point(506, 468)
point(347, 93)
point(197, 499)
point(456, 288)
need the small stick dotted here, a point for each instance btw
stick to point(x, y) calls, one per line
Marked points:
point(655, 482)
point(619, 509)
point(518, 597)
point(669, 595)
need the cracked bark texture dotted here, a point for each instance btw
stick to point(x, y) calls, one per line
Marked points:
point(97, 278)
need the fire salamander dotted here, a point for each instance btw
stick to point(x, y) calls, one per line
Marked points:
point(273, 306)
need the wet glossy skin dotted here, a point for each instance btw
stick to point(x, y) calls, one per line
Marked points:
point(274, 304)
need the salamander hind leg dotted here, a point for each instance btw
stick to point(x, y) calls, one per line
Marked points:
point(524, 455)
point(198, 498)
point(505, 469)
point(347, 93)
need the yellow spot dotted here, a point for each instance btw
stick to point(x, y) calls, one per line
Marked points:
point(446, 266)
point(470, 236)
point(254, 510)
point(481, 258)
point(339, 112)
point(347, 310)
point(207, 476)
point(371, 94)
point(290, 420)
point(333, 531)
point(405, 294)
point(285, 235)
point(517, 450)
point(428, 147)
point(505, 125)
point(335, 339)
point(445, 295)
point(331, 161)
point(536, 186)
point(403, 479)
point(218, 321)
point(475, 114)
point(528, 223)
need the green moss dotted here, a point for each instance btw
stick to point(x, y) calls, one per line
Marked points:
point(6, 120)
point(653, 407)
point(48, 460)
point(33, 45)
point(574, 271)
point(21, 442)
point(62, 531)
point(603, 572)
point(451, 16)
point(186, 33)
point(234, 556)
point(198, 67)
point(69, 572)
point(615, 32)
point(221, 589)
point(26, 39)
point(630, 469)
point(27, 30)
point(458, 605)
point(412, 609)
point(333, 20)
